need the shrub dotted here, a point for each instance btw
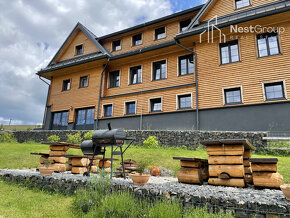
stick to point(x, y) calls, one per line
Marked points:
point(29, 129)
point(8, 138)
point(141, 166)
point(151, 142)
point(74, 139)
point(53, 138)
point(88, 135)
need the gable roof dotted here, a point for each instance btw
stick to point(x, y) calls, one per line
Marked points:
point(89, 34)
point(238, 17)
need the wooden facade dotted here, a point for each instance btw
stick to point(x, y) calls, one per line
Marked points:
point(249, 74)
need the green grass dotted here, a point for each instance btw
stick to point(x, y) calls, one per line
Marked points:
point(17, 156)
point(20, 127)
point(19, 201)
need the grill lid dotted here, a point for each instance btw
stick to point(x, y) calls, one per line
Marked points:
point(116, 134)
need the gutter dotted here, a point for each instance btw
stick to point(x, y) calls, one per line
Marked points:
point(100, 94)
point(196, 80)
point(45, 111)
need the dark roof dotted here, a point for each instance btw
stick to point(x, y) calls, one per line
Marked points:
point(74, 61)
point(184, 12)
point(239, 17)
point(89, 34)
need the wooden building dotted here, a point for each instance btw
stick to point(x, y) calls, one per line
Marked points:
point(224, 65)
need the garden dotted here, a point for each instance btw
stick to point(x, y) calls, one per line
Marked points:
point(97, 200)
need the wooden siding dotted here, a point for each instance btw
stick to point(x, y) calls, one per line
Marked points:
point(148, 35)
point(69, 50)
point(249, 73)
point(224, 7)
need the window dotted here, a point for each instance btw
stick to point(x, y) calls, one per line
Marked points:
point(135, 75)
point(66, 85)
point(159, 70)
point(274, 91)
point(79, 49)
point(131, 107)
point(117, 45)
point(155, 105)
point(160, 33)
point(184, 101)
point(137, 39)
point(268, 44)
point(229, 52)
point(85, 116)
point(242, 3)
point(114, 79)
point(233, 96)
point(184, 24)
point(60, 120)
point(108, 110)
point(84, 81)
point(185, 65)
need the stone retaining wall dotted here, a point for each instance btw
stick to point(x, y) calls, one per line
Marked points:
point(165, 138)
point(244, 202)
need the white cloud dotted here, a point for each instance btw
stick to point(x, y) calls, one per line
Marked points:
point(31, 31)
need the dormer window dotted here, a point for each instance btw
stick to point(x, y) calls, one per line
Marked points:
point(116, 45)
point(160, 33)
point(184, 24)
point(79, 49)
point(137, 39)
point(242, 3)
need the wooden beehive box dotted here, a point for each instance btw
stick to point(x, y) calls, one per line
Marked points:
point(227, 161)
point(192, 171)
point(265, 173)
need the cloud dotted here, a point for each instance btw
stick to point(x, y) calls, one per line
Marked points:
point(32, 31)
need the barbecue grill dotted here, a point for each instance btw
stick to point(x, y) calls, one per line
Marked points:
point(102, 139)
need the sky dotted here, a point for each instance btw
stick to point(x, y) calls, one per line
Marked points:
point(31, 32)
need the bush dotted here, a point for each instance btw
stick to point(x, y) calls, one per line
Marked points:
point(53, 138)
point(8, 138)
point(88, 135)
point(74, 139)
point(151, 142)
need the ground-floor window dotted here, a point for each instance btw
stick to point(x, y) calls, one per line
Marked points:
point(85, 118)
point(59, 121)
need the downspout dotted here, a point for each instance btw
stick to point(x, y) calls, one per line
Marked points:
point(196, 81)
point(45, 111)
point(100, 94)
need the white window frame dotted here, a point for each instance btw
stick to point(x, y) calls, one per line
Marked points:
point(152, 69)
point(154, 39)
point(125, 108)
point(129, 74)
point(233, 87)
point(149, 104)
point(103, 109)
point(274, 81)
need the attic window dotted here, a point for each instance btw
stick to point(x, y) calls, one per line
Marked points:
point(184, 24)
point(79, 49)
point(160, 33)
point(117, 45)
point(242, 3)
point(137, 39)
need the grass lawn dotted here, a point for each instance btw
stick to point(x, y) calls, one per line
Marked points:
point(17, 156)
point(19, 201)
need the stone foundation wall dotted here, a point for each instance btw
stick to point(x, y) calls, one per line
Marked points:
point(165, 138)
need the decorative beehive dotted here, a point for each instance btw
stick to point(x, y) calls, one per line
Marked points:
point(265, 173)
point(227, 163)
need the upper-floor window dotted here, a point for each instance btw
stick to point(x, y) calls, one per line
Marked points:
point(84, 81)
point(135, 75)
point(114, 79)
point(137, 39)
point(186, 65)
point(156, 105)
point(116, 45)
point(229, 52)
point(268, 44)
point(79, 49)
point(130, 107)
point(184, 24)
point(160, 33)
point(159, 70)
point(59, 119)
point(108, 110)
point(233, 96)
point(66, 85)
point(184, 101)
point(274, 91)
point(85, 116)
point(242, 3)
